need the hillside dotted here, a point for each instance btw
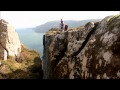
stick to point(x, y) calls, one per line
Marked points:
point(28, 66)
point(55, 24)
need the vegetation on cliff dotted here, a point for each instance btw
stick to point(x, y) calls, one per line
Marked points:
point(27, 67)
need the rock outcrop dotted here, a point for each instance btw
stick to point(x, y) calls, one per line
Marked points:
point(9, 41)
point(87, 52)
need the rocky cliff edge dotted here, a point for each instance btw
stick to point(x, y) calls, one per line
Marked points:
point(87, 52)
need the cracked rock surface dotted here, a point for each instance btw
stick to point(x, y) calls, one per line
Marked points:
point(87, 52)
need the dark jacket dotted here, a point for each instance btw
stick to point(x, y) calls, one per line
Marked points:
point(66, 27)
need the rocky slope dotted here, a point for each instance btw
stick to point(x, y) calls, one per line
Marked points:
point(9, 41)
point(88, 52)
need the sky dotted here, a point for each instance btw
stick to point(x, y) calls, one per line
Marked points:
point(29, 19)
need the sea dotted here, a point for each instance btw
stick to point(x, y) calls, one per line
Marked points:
point(31, 39)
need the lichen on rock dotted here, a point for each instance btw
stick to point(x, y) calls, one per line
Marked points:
point(92, 51)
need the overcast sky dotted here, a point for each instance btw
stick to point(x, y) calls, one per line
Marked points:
point(27, 19)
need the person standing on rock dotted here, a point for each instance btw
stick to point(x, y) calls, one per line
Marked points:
point(66, 27)
point(62, 25)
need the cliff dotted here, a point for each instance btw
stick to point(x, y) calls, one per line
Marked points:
point(9, 41)
point(87, 52)
point(16, 60)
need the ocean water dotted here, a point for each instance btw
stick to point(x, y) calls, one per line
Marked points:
point(31, 39)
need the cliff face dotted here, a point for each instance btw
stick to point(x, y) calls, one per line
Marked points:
point(91, 51)
point(9, 41)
